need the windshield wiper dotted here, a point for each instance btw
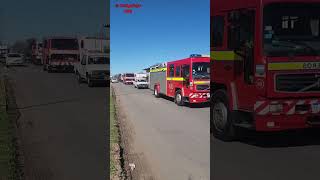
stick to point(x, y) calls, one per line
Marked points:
point(316, 84)
point(299, 43)
point(200, 76)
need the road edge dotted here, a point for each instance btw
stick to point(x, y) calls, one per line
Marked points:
point(115, 147)
point(135, 165)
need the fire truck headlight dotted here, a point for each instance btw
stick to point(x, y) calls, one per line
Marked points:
point(191, 83)
point(275, 108)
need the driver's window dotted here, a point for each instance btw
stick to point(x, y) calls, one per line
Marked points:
point(186, 71)
point(241, 29)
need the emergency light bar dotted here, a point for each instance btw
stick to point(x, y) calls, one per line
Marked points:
point(195, 55)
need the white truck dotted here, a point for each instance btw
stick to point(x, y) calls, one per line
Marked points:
point(93, 68)
point(93, 44)
point(140, 80)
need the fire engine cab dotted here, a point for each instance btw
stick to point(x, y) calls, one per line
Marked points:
point(186, 80)
point(265, 69)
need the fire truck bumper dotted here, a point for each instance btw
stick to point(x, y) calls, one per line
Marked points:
point(199, 97)
point(287, 114)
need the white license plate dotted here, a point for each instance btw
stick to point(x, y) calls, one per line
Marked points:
point(315, 107)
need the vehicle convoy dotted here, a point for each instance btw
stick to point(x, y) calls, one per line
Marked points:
point(60, 53)
point(93, 68)
point(140, 80)
point(128, 78)
point(265, 72)
point(14, 59)
point(186, 80)
point(36, 52)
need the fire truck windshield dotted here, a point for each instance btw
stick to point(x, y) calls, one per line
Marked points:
point(291, 29)
point(98, 60)
point(129, 75)
point(61, 57)
point(201, 70)
point(65, 44)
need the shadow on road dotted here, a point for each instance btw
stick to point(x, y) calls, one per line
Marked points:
point(201, 105)
point(293, 138)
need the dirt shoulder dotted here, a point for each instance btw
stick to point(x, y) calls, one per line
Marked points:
point(116, 172)
point(135, 164)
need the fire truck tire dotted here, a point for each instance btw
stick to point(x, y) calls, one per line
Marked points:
point(156, 92)
point(178, 99)
point(90, 83)
point(221, 122)
point(79, 78)
point(49, 70)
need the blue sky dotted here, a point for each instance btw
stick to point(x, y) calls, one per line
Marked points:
point(21, 19)
point(159, 31)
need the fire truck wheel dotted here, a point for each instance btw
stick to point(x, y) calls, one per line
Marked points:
point(156, 93)
point(49, 70)
point(79, 78)
point(90, 83)
point(178, 98)
point(221, 122)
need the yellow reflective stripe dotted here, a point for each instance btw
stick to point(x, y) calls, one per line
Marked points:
point(175, 79)
point(224, 56)
point(201, 82)
point(293, 66)
point(158, 70)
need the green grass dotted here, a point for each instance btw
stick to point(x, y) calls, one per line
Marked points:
point(114, 136)
point(7, 155)
point(7, 165)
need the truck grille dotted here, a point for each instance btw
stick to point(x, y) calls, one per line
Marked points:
point(203, 87)
point(298, 82)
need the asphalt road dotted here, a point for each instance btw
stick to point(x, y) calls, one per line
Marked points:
point(175, 140)
point(293, 155)
point(62, 123)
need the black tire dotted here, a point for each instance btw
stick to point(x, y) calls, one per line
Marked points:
point(79, 78)
point(49, 70)
point(90, 83)
point(155, 92)
point(178, 98)
point(221, 126)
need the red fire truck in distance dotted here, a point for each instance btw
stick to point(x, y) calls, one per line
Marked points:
point(265, 72)
point(186, 80)
point(60, 53)
point(128, 78)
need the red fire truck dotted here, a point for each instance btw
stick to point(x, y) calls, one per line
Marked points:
point(60, 53)
point(185, 80)
point(128, 78)
point(265, 71)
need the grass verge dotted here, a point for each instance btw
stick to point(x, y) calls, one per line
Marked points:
point(115, 164)
point(7, 147)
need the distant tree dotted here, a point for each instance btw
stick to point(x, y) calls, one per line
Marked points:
point(19, 46)
point(29, 43)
